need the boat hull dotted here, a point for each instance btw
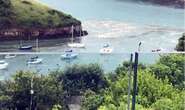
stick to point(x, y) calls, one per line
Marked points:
point(69, 56)
point(26, 48)
point(106, 51)
point(38, 61)
point(3, 66)
point(9, 56)
point(76, 45)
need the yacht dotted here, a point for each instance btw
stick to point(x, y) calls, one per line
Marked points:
point(3, 65)
point(75, 45)
point(9, 56)
point(106, 49)
point(35, 60)
point(69, 54)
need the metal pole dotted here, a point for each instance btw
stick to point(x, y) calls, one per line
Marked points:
point(31, 93)
point(135, 81)
point(129, 81)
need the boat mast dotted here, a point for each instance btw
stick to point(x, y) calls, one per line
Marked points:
point(72, 29)
point(80, 31)
point(37, 45)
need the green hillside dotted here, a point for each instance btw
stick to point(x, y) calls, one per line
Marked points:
point(31, 13)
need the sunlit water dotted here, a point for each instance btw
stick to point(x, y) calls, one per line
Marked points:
point(119, 23)
point(52, 62)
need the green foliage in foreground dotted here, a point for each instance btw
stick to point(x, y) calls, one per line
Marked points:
point(31, 13)
point(159, 87)
point(51, 91)
point(153, 93)
point(172, 68)
point(181, 43)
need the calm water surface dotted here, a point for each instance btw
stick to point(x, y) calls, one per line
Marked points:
point(119, 23)
point(52, 62)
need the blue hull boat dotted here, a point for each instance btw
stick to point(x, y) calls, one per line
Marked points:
point(69, 56)
point(29, 47)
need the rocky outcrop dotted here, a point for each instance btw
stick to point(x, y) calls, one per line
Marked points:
point(30, 19)
point(169, 3)
point(47, 33)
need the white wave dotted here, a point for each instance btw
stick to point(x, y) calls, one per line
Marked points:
point(108, 29)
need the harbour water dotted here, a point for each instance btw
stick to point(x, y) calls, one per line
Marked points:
point(122, 24)
point(52, 62)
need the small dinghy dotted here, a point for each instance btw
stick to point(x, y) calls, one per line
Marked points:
point(9, 56)
point(106, 49)
point(69, 54)
point(156, 50)
point(34, 60)
point(3, 65)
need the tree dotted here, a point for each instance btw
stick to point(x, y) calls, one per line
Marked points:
point(78, 78)
point(6, 14)
point(171, 67)
point(47, 91)
point(181, 43)
point(91, 100)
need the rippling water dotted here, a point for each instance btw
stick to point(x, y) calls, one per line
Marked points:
point(52, 62)
point(119, 23)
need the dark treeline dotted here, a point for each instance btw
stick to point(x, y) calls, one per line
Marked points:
point(170, 3)
point(181, 43)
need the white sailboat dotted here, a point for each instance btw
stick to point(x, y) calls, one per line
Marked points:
point(35, 60)
point(9, 56)
point(3, 65)
point(106, 49)
point(75, 45)
point(25, 47)
point(69, 54)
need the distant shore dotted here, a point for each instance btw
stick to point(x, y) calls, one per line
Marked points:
point(170, 3)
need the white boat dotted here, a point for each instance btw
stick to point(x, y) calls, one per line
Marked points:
point(69, 55)
point(106, 49)
point(3, 65)
point(35, 60)
point(157, 50)
point(75, 45)
point(9, 56)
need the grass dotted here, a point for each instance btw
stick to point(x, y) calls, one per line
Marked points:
point(31, 13)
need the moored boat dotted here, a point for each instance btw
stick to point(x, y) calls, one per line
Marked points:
point(106, 49)
point(9, 56)
point(35, 60)
point(69, 54)
point(3, 65)
point(27, 47)
point(75, 45)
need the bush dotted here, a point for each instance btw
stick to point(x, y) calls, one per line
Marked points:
point(181, 43)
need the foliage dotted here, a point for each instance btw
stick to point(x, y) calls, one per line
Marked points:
point(50, 91)
point(91, 100)
point(124, 68)
point(181, 43)
point(159, 87)
point(153, 93)
point(78, 78)
point(31, 13)
point(171, 67)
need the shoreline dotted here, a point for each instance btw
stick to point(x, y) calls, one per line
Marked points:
point(40, 33)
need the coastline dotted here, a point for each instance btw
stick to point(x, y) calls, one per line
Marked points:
point(40, 33)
